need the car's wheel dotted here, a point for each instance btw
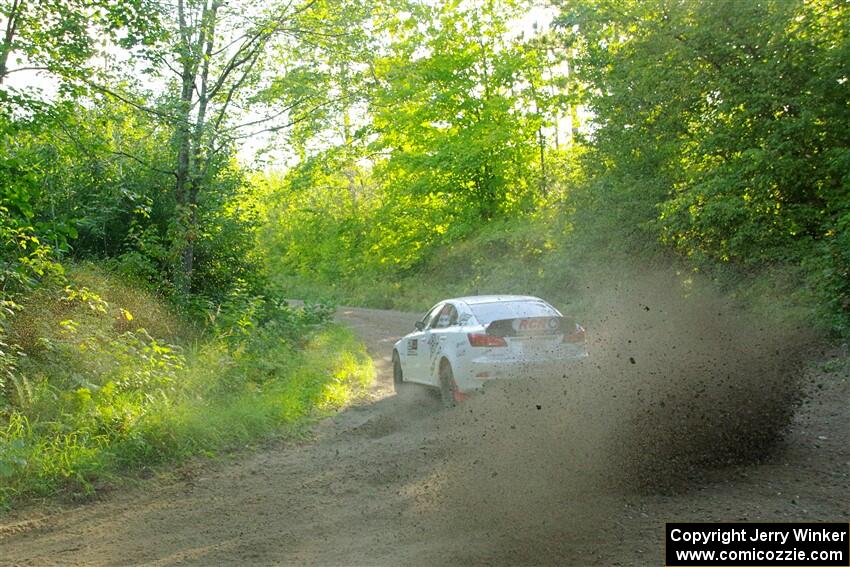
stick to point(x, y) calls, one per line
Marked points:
point(448, 386)
point(398, 374)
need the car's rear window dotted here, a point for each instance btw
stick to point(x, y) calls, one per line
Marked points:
point(486, 313)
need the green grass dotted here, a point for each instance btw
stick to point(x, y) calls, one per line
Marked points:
point(97, 396)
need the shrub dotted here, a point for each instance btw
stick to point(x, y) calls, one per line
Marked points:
point(96, 393)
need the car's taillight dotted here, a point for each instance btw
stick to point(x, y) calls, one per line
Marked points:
point(482, 340)
point(576, 337)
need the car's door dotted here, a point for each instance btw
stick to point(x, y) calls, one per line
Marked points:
point(416, 356)
point(439, 339)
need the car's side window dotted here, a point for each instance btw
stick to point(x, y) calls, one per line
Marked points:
point(429, 317)
point(452, 316)
point(446, 318)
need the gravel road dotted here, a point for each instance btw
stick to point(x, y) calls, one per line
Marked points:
point(380, 484)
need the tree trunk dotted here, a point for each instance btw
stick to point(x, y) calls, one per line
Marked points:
point(544, 190)
point(206, 42)
point(9, 36)
point(541, 140)
point(350, 170)
point(183, 139)
point(196, 56)
point(575, 123)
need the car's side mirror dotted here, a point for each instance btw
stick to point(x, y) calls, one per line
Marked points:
point(419, 325)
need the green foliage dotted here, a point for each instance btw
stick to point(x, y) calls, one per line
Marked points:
point(93, 183)
point(62, 36)
point(25, 258)
point(720, 133)
point(96, 375)
point(450, 134)
point(453, 109)
point(98, 394)
point(426, 157)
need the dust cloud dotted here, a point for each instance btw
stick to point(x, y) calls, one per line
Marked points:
point(679, 381)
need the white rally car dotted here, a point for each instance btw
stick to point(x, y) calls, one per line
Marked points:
point(461, 344)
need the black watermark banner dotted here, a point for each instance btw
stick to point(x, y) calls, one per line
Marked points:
point(758, 545)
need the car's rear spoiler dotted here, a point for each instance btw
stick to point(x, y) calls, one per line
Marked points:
point(530, 326)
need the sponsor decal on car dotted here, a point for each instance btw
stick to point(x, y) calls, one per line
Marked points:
point(536, 324)
point(433, 345)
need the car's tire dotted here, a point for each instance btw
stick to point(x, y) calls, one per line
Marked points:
point(398, 373)
point(448, 386)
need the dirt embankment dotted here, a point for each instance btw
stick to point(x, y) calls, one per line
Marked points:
point(580, 471)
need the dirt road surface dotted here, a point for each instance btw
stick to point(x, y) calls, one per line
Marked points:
point(373, 486)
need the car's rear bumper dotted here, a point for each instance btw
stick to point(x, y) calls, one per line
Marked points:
point(476, 373)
